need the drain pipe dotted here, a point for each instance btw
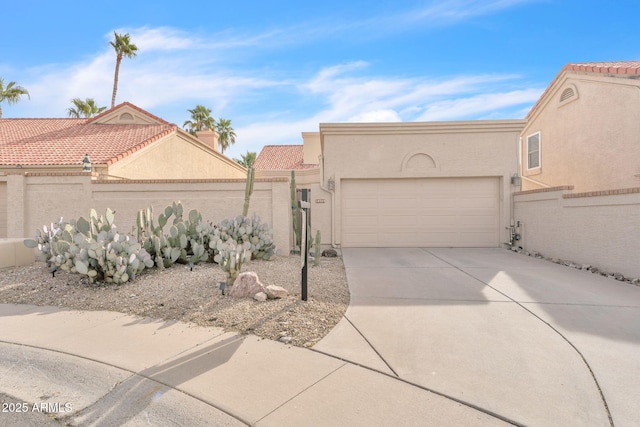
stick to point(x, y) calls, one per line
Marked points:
point(333, 202)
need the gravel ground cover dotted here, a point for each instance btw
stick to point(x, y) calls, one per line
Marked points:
point(177, 293)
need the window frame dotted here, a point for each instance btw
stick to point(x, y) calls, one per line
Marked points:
point(529, 152)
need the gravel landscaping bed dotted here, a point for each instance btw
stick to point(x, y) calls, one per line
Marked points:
point(193, 296)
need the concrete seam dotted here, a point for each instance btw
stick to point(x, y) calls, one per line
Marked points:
point(371, 345)
point(584, 359)
point(301, 391)
point(427, 389)
point(237, 417)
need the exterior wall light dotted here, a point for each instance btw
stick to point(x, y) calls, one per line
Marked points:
point(516, 180)
point(331, 184)
point(86, 163)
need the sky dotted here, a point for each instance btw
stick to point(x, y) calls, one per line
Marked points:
point(280, 68)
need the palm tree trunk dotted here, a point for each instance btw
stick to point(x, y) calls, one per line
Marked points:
point(0, 111)
point(115, 81)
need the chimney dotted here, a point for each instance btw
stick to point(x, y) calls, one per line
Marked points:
point(209, 138)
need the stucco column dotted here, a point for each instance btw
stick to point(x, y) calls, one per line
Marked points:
point(16, 206)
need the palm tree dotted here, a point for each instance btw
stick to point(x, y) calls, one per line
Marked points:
point(247, 160)
point(227, 135)
point(11, 93)
point(200, 119)
point(87, 108)
point(123, 48)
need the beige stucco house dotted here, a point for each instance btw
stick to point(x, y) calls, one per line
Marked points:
point(584, 131)
point(406, 184)
point(125, 142)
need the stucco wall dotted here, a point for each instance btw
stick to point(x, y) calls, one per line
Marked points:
point(311, 147)
point(320, 199)
point(177, 157)
point(3, 207)
point(46, 198)
point(602, 230)
point(590, 141)
point(433, 149)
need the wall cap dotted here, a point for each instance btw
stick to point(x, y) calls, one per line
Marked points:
point(545, 190)
point(602, 193)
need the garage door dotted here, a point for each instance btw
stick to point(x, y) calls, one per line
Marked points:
point(421, 212)
point(3, 209)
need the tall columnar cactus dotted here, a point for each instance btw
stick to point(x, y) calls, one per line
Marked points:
point(248, 190)
point(316, 252)
point(294, 211)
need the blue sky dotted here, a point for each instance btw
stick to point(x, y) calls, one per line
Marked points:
point(280, 68)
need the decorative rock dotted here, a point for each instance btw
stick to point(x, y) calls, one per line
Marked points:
point(260, 296)
point(274, 292)
point(286, 340)
point(330, 253)
point(247, 285)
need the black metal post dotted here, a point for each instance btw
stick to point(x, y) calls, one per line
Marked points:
point(305, 205)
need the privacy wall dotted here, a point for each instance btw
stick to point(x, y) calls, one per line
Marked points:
point(601, 228)
point(37, 199)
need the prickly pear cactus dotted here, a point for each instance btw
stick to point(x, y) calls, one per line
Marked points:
point(251, 231)
point(185, 240)
point(93, 248)
point(230, 257)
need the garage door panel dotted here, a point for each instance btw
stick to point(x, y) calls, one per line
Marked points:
point(423, 212)
point(361, 221)
point(361, 204)
point(361, 240)
point(397, 221)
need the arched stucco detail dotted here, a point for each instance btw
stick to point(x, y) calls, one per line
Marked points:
point(418, 162)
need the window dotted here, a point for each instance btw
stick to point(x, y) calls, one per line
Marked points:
point(533, 151)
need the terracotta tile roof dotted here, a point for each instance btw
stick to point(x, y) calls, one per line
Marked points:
point(281, 157)
point(65, 141)
point(619, 68)
point(128, 104)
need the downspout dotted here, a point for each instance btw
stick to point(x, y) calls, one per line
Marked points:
point(333, 202)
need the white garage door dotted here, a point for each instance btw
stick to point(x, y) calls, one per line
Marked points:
point(3, 209)
point(420, 212)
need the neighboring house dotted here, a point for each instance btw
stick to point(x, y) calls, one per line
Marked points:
point(123, 143)
point(277, 161)
point(584, 131)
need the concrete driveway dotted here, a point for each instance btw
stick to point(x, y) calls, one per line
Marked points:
point(524, 339)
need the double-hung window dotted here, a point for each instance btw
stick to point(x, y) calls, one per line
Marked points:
point(533, 151)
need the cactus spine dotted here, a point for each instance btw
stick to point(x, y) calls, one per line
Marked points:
point(248, 190)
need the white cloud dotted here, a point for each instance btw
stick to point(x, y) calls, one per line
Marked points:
point(475, 105)
point(387, 115)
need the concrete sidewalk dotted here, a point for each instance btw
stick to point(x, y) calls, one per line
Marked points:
point(432, 337)
point(113, 369)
